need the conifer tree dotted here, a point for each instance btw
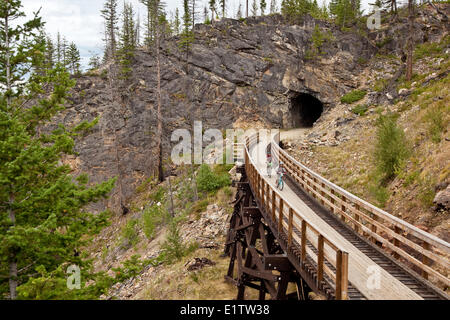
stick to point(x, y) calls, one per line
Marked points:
point(273, 6)
point(239, 12)
point(263, 5)
point(111, 18)
point(127, 41)
point(73, 59)
point(212, 7)
point(50, 52)
point(187, 36)
point(206, 15)
point(42, 220)
point(176, 22)
point(345, 11)
point(59, 54)
point(94, 62)
point(223, 4)
point(254, 8)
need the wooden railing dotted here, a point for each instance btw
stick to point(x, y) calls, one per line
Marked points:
point(405, 241)
point(287, 218)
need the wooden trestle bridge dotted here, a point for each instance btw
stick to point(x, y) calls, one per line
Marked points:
point(316, 237)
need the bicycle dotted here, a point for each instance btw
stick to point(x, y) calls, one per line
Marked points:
point(280, 182)
point(269, 169)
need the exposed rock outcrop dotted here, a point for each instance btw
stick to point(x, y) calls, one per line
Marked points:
point(238, 73)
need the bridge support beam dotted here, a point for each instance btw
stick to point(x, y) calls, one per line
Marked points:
point(257, 261)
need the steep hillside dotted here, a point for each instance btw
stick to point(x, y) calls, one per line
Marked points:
point(342, 144)
point(259, 72)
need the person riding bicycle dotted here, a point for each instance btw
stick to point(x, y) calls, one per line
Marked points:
point(280, 172)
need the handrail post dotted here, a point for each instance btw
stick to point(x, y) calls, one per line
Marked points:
point(341, 275)
point(320, 260)
point(291, 218)
point(280, 217)
point(273, 205)
point(303, 244)
point(425, 259)
point(343, 208)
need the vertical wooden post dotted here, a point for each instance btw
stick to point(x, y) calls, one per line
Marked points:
point(280, 217)
point(263, 188)
point(332, 201)
point(343, 208)
point(397, 242)
point(320, 261)
point(341, 275)
point(425, 259)
point(322, 194)
point(357, 218)
point(291, 218)
point(303, 244)
point(374, 229)
point(273, 205)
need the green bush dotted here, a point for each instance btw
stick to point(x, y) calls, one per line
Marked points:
point(151, 218)
point(210, 181)
point(353, 96)
point(199, 206)
point(380, 193)
point(435, 118)
point(130, 236)
point(360, 109)
point(391, 147)
point(173, 248)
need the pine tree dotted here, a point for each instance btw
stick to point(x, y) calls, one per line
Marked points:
point(158, 11)
point(254, 8)
point(42, 220)
point(212, 7)
point(50, 52)
point(410, 42)
point(263, 6)
point(176, 22)
point(239, 12)
point(64, 49)
point(273, 6)
point(73, 59)
point(187, 36)
point(223, 4)
point(59, 53)
point(127, 41)
point(193, 6)
point(111, 18)
point(345, 11)
point(294, 10)
point(94, 62)
point(206, 16)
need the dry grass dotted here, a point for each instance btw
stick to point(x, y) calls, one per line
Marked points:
point(175, 282)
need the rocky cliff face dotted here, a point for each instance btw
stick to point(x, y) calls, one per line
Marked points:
point(257, 72)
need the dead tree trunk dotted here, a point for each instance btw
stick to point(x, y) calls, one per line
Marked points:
point(158, 98)
point(410, 49)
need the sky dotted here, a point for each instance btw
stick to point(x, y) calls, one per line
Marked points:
point(80, 21)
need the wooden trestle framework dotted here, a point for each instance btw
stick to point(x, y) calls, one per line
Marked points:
point(257, 259)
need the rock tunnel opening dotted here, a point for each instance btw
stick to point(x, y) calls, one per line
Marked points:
point(305, 110)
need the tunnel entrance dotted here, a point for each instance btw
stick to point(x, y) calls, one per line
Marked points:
point(305, 110)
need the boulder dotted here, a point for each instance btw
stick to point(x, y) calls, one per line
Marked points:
point(442, 199)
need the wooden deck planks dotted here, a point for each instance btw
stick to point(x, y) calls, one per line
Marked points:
point(390, 287)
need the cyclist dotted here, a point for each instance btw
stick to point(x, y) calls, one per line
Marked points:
point(269, 165)
point(280, 172)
